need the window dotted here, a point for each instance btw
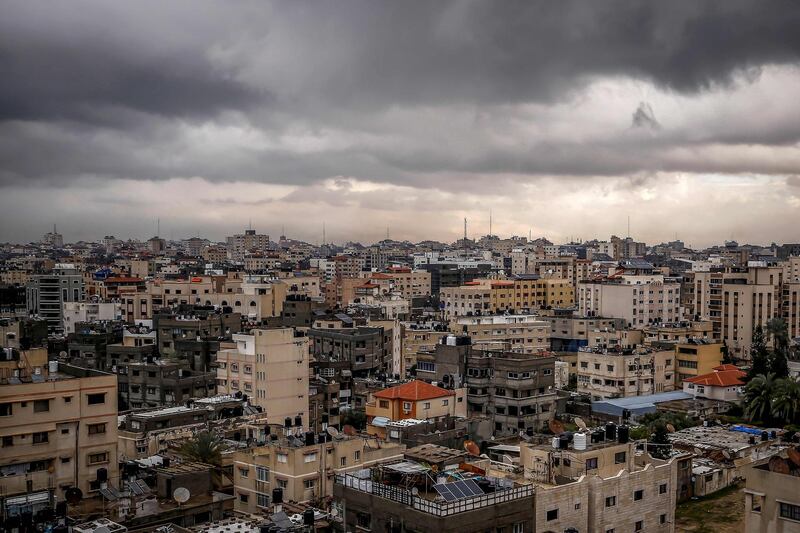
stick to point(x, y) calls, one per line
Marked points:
point(445, 402)
point(611, 501)
point(357, 455)
point(262, 474)
point(426, 405)
point(41, 406)
point(638, 495)
point(755, 503)
point(243, 497)
point(383, 404)
point(363, 520)
point(789, 511)
point(343, 461)
point(243, 472)
point(40, 437)
point(283, 458)
point(407, 406)
point(519, 527)
point(662, 489)
point(309, 483)
point(8, 440)
point(282, 483)
point(96, 398)
point(96, 429)
point(591, 464)
point(619, 458)
point(5, 409)
point(639, 525)
point(662, 519)
point(577, 506)
point(552, 514)
point(95, 458)
point(262, 500)
point(310, 457)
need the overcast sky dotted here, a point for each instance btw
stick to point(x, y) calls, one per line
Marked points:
point(562, 118)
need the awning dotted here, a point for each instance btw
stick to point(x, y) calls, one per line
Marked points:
point(380, 421)
point(34, 497)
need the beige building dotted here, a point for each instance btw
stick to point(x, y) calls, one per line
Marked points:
point(607, 374)
point(271, 367)
point(417, 339)
point(485, 296)
point(639, 299)
point(772, 498)
point(696, 358)
point(59, 429)
point(511, 333)
point(304, 470)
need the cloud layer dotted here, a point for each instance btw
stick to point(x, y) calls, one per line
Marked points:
point(370, 114)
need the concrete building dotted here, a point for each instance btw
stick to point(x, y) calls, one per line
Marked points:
point(303, 467)
point(367, 350)
point(522, 293)
point(238, 245)
point(75, 312)
point(53, 239)
point(639, 299)
point(620, 373)
point(161, 383)
point(725, 383)
point(413, 400)
point(772, 497)
point(47, 293)
point(271, 367)
point(696, 358)
point(510, 333)
point(59, 430)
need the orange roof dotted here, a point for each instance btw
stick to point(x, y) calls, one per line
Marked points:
point(381, 275)
point(721, 378)
point(726, 367)
point(414, 390)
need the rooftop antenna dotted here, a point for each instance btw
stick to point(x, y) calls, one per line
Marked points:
point(323, 234)
point(158, 227)
point(629, 226)
point(465, 236)
point(250, 223)
point(283, 230)
point(490, 222)
point(54, 228)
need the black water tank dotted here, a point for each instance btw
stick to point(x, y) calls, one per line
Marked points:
point(611, 431)
point(165, 462)
point(772, 435)
point(102, 475)
point(263, 528)
point(752, 439)
point(308, 517)
point(623, 433)
point(309, 438)
point(563, 442)
point(277, 495)
point(529, 432)
point(764, 436)
point(298, 421)
point(287, 422)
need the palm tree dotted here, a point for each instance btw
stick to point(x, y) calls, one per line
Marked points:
point(786, 404)
point(205, 447)
point(779, 331)
point(758, 397)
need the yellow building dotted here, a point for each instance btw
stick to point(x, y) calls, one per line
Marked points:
point(696, 358)
point(59, 429)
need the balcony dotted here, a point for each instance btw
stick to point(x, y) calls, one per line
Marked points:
point(18, 484)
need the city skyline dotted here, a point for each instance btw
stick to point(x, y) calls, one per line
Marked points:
point(367, 115)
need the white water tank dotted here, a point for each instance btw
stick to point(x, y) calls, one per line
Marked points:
point(555, 443)
point(579, 441)
point(52, 367)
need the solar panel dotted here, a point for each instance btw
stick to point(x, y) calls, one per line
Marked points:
point(110, 494)
point(458, 490)
point(142, 485)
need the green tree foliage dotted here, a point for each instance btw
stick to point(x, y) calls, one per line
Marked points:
point(205, 447)
point(758, 395)
point(786, 402)
point(357, 419)
point(759, 356)
point(658, 444)
point(779, 331)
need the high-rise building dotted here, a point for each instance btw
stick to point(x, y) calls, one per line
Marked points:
point(47, 293)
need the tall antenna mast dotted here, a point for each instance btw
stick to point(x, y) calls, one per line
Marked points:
point(490, 222)
point(158, 227)
point(465, 236)
point(323, 234)
point(629, 226)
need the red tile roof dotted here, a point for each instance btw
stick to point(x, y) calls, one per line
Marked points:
point(413, 391)
point(720, 378)
point(726, 367)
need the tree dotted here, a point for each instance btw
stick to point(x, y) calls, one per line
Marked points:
point(779, 331)
point(205, 447)
point(658, 445)
point(786, 404)
point(726, 355)
point(758, 396)
point(759, 356)
point(355, 418)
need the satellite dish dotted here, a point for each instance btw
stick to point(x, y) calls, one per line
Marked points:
point(670, 428)
point(332, 431)
point(181, 495)
point(726, 454)
point(349, 430)
point(556, 426)
point(472, 448)
point(62, 354)
point(580, 423)
point(507, 459)
point(415, 491)
point(74, 495)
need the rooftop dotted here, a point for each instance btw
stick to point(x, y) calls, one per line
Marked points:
point(414, 390)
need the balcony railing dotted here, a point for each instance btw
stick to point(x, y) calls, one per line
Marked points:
point(405, 497)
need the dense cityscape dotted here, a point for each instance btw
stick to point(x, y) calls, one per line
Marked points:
point(507, 383)
point(363, 266)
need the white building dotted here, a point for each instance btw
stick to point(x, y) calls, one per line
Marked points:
point(639, 299)
point(74, 312)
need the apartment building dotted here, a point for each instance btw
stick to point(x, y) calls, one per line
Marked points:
point(417, 338)
point(303, 466)
point(639, 299)
point(76, 312)
point(569, 331)
point(696, 357)
point(193, 322)
point(736, 301)
point(772, 497)
point(161, 382)
point(47, 293)
point(524, 292)
point(271, 367)
point(59, 430)
point(238, 245)
point(511, 333)
point(621, 373)
point(366, 350)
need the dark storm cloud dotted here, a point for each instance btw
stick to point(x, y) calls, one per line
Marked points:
point(109, 89)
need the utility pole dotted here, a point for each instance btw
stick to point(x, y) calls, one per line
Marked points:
point(629, 226)
point(465, 236)
point(323, 234)
point(490, 222)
